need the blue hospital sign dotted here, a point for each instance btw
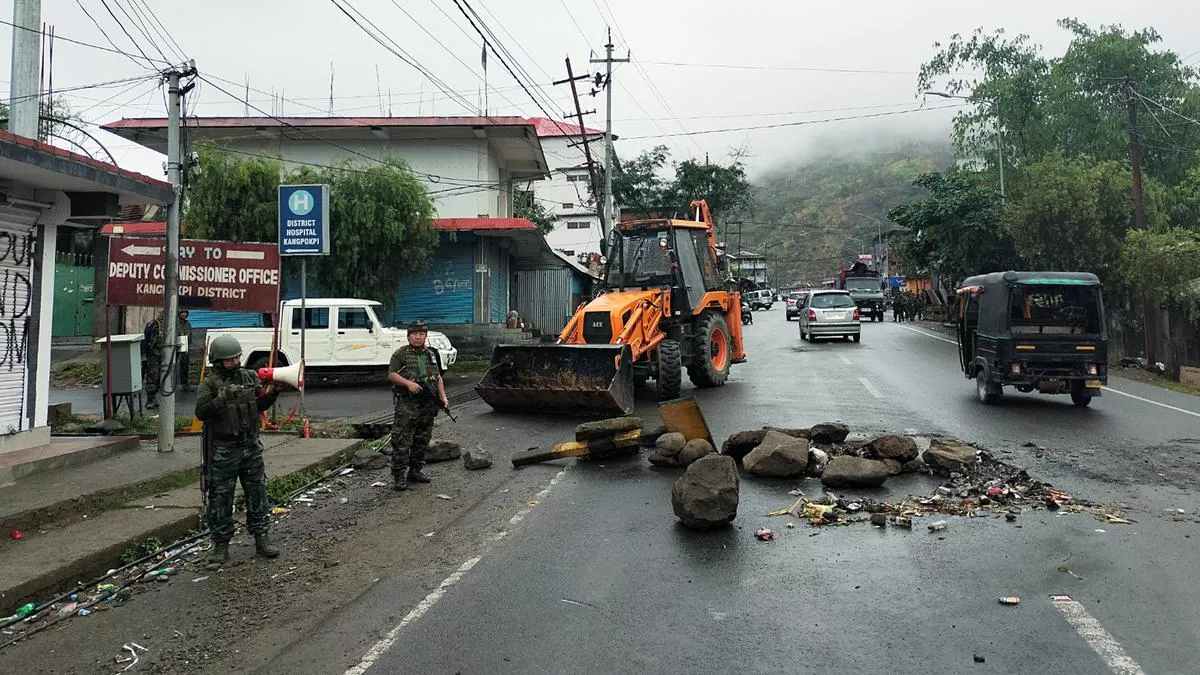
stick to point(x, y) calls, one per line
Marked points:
point(303, 220)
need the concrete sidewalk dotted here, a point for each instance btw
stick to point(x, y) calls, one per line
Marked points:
point(76, 521)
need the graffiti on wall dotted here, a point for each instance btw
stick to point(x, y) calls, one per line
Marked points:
point(16, 256)
point(446, 280)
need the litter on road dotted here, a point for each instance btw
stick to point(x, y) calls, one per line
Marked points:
point(1010, 600)
point(765, 534)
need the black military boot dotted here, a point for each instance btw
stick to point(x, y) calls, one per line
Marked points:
point(418, 476)
point(217, 557)
point(264, 547)
point(400, 483)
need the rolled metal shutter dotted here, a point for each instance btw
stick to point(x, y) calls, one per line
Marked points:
point(16, 310)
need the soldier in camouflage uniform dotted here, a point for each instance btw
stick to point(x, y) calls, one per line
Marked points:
point(415, 409)
point(152, 344)
point(229, 402)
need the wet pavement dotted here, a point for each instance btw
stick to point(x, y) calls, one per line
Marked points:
point(573, 567)
point(600, 578)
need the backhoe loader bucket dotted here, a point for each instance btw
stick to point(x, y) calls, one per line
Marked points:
point(587, 379)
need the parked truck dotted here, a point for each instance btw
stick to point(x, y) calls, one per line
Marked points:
point(866, 287)
point(342, 336)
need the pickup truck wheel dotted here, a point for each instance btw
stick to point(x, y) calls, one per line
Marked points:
point(670, 370)
point(711, 351)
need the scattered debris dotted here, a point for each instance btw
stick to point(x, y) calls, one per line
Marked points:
point(978, 658)
point(477, 459)
point(937, 526)
point(1010, 517)
point(765, 534)
point(791, 525)
point(1010, 600)
point(903, 521)
point(1066, 569)
point(694, 450)
point(443, 451)
point(446, 497)
point(429, 534)
point(199, 579)
point(879, 519)
point(379, 483)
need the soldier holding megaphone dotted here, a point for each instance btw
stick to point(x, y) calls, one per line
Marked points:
point(229, 402)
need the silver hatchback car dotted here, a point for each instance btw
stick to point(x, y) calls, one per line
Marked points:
point(829, 314)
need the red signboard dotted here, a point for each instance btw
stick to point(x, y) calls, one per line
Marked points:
point(222, 275)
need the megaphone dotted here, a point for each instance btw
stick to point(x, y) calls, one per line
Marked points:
point(292, 375)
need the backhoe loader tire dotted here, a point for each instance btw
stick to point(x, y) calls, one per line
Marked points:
point(670, 370)
point(711, 352)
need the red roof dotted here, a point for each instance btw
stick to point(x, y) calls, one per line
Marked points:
point(548, 127)
point(142, 227)
point(470, 224)
point(81, 159)
point(317, 122)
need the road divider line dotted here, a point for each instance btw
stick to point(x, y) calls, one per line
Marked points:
point(843, 359)
point(1108, 389)
point(1146, 400)
point(1100, 640)
point(870, 388)
point(380, 648)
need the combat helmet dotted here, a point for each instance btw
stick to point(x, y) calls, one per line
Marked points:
point(224, 347)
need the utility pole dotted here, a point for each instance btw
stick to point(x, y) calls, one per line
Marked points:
point(610, 204)
point(24, 90)
point(1149, 320)
point(170, 349)
point(587, 151)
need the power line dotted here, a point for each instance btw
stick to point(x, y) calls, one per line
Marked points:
point(114, 50)
point(1160, 105)
point(805, 122)
point(141, 28)
point(126, 32)
point(81, 87)
point(769, 114)
point(165, 33)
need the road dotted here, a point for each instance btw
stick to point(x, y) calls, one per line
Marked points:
point(574, 567)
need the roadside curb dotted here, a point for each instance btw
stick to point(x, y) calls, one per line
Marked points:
point(60, 558)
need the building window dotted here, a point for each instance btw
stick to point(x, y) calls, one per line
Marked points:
point(577, 177)
point(568, 205)
point(578, 225)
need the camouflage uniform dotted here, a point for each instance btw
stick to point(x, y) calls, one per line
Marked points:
point(183, 328)
point(412, 426)
point(229, 404)
point(152, 344)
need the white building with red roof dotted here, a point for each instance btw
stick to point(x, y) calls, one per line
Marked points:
point(567, 191)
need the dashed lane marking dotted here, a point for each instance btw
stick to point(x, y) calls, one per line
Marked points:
point(1100, 640)
point(1108, 389)
point(870, 387)
point(380, 648)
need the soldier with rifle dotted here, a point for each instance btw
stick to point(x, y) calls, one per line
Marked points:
point(229, 402)
point(418, 392)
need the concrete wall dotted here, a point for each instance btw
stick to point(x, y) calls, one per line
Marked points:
point(462, 164)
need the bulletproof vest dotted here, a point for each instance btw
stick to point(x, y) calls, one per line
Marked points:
point(412, 357)
point(240, 418)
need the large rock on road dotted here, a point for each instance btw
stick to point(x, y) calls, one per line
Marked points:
point(851, 471)
point(443, 451)
point(706, 495)
point(949, 454)
point(778, 456)
point(829, 432)
point(903, 449)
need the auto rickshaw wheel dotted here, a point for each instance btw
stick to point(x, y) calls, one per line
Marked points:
point(1079, 396)
point(986, 391)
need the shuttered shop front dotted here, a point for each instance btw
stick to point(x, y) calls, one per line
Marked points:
point(445, 293)
point(16, 309)
point(543, 298)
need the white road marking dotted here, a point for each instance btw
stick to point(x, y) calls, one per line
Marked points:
point(1108, 389)
point(843, 359)
point(869, 387)
point(380, 648)
point(1146, 400)
point(1101, 641)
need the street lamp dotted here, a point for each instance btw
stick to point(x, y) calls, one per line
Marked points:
point(995, 103)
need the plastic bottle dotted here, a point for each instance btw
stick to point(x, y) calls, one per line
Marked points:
point(938, 526)
point(1010, 600)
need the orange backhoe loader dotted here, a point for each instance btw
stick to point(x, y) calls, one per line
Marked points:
point(665, 308)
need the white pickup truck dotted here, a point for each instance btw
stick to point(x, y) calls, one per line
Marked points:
point(341, 335)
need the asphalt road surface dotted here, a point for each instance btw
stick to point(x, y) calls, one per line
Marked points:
point(581, 567)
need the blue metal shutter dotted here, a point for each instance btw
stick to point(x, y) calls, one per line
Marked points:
point(445, 292)
point(498, 269)
point(209, 318)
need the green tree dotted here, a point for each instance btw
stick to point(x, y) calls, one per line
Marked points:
point(1164, 266)
point(724, 187)
point(1076, 102)
point(381, 217)
point(233, 197)
point(526, 205)
point(638, 184)
point(1072, 214)
point(956, 228)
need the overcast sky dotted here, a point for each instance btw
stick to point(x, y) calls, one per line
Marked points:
point(287, 48)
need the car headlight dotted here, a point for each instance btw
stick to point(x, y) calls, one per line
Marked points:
point(439, 342)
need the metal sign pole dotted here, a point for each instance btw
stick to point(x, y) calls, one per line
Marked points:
point(303, 317)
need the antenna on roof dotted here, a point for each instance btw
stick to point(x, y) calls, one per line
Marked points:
point(378, 90)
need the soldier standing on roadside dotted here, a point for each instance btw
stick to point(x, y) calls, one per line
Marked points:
point(414, 367)
point(229, 402)
point(152, 344)
point(183, 329)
